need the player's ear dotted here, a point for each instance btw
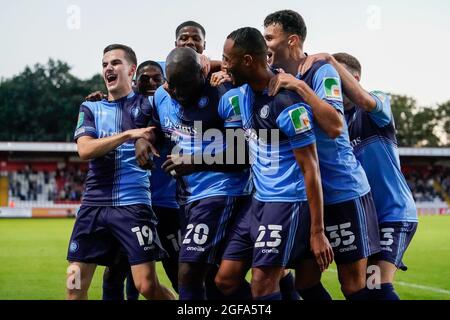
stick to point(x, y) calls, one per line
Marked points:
point(248, 60)
point(132, 70)
point(357, 77)
point(293, 40)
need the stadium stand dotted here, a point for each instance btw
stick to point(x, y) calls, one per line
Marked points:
point(40, 179)
point(54, 182)
point(427, 184)
point(47, 178)
point(427, 171)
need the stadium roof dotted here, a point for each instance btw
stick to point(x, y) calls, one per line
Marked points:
point(72, 147)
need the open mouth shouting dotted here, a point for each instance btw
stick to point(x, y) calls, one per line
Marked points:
point(270, 57)
point(111, 79)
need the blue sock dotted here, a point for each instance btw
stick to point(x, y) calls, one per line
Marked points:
point(112, 291)
point(132, 292)
point(386, 292)
point(269, 297)
point(287, 288)
point(316, 293)
point(191, 293)
point(363, 294)
point(244, 292)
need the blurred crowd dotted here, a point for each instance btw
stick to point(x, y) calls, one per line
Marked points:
point(428, 184)
point(64, 184)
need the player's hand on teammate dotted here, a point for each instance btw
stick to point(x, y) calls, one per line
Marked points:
point(178, 165)
point(282, 81)
point(206, 64)
point(321, 248)
point(143, 151)
point(219, 77)
point(96, 96)
point(144, 133)
point(310, 60)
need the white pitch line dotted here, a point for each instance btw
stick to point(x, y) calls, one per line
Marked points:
point(419, 286)
point(413, 285)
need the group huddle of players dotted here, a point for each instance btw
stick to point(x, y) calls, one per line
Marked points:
point(311, 173)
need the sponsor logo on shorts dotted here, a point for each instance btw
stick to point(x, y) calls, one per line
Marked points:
point(348, 249)
point(73, 246)
point(198, 249)
point(273, 250)
point(203, 102)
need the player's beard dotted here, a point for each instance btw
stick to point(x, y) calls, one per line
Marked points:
point(237, 78)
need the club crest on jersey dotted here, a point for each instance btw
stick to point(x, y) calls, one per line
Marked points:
point(234, 101)
point(332, 88)
point(264, 112)
point(203, 102)
point(80, 119)
point(135, 113)
point(300, 119)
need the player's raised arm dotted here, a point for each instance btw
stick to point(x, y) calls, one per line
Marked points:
point(376, 103)
point(350, 84)
point(91, 148)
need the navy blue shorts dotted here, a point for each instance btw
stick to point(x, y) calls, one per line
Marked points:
point(100, 232)
point(395, 239)
point(270, 234)
point(205, 224)
point(169, 229)
point(352, 229)
point(239, 244)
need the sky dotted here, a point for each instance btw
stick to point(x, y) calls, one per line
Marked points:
point(403, 46)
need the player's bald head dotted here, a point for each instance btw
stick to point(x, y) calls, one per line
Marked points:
point(184, 76)
point(182, 61)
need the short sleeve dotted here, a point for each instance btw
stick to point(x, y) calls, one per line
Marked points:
point(296, 122)
point(382, 114)
point(327, 86)
point(86, 124)
point(230, 109)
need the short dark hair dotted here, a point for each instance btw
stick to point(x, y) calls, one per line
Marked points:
point(129, 53)
point(149, 63)
point(349, 61)
point(291, 21)
point(250, 41)
point(190, 24)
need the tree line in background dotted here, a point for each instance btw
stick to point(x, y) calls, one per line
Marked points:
point(41, 104)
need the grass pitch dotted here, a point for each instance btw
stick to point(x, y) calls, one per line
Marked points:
point(33, 265)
